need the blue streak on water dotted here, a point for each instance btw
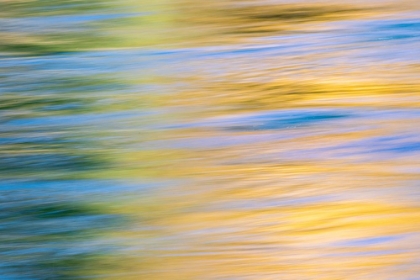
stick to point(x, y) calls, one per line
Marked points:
point(272, 120)
point(371, 241)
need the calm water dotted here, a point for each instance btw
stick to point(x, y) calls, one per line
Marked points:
point(225, 140)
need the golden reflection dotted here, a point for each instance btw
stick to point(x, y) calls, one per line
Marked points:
point(259, 19)
point(190, 241)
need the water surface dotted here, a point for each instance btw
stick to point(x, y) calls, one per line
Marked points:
point(222, 140)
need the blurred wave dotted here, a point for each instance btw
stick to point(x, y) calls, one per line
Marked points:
point(209, 140)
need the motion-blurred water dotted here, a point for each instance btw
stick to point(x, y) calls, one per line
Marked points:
point(209, 140)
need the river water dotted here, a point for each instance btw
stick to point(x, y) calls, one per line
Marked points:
point(225, 140)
